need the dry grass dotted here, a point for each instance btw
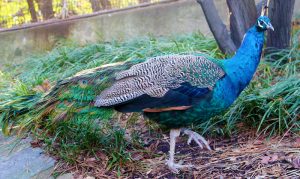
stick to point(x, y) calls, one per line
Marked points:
point(243, 155)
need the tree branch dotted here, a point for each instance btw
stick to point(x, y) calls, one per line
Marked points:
point(95, 4)
point(260, 5)
point(217, 27)
point(32, 10)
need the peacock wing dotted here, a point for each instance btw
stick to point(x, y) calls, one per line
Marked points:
point(162, 82)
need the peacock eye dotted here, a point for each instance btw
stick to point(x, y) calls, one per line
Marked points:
point(260, 23)
point(84, 82)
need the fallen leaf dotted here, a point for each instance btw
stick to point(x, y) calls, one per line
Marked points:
point(91, 159)
point(275, 170)
point(296, 144)
point(287, 134)
point(236, 150)
point(35, 144)
point(232, 158)
point(296, 162)
point(274, 158)
point(218, 149)
point(101, 156)
point(258, 142)
point(153, 146)
point(137, 156)
point(265, 159)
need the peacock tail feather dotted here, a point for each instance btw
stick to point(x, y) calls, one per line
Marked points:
point(70, 99)
point(73, 98)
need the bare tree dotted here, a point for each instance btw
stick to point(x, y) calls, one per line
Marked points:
point(95, 5)
point(64, 9)
point(45, 6)
point(260, 5)
point(144, 1)
point(280, 12)
point(98, 5)
point(105, 4)
point(243, 14)
point(217, 26)
point(32, 11)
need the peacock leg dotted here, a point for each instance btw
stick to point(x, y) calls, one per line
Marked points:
point(197, 138)
point(174, 133)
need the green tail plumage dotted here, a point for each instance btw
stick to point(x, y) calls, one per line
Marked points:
point(72, 98)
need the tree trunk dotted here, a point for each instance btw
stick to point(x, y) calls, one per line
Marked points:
point(280, 12)
point(98, 5)
point(46, 8)
point(95, 5)
point(217, 27)
point(105, 4)
point(32, 11)
point(243, 15)
point(260, 5)
point(144, 1)
point(64, 9)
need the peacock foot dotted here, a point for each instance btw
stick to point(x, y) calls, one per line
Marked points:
point(197, 138)
point(175, 167)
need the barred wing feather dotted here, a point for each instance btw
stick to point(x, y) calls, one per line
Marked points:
point(159, 75)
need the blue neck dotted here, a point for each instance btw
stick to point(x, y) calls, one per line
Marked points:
point(242, 66)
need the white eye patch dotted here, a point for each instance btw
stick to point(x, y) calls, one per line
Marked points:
point(259, 23)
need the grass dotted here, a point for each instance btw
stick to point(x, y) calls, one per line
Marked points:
point(270, 104)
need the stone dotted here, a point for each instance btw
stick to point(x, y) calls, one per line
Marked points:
point(18, 160)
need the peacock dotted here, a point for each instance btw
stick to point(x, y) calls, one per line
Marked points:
point(180, 90)
point(173, 90)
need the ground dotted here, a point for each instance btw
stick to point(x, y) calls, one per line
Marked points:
point(243, 155)
point(19, 160)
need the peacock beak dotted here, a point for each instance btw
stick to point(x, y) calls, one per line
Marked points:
point(269, 26)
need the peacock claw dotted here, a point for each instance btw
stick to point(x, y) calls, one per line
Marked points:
point(197, 138)
point(175, 167)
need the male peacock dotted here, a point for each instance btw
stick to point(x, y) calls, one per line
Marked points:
point(179, 90)
point(175, 90)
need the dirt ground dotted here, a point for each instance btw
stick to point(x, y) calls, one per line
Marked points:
point(243, 155)
point(236, 158)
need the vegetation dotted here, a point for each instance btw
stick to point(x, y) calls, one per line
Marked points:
point(17, 12)
point(270, 104)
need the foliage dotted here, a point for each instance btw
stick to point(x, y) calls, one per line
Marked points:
point(270, 104)
point(16, 12)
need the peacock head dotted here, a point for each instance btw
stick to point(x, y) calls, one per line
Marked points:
point(263, 23)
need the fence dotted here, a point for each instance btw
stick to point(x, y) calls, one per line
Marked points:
point(18, 12)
